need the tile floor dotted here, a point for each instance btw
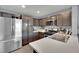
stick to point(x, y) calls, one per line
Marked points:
point(24, 49)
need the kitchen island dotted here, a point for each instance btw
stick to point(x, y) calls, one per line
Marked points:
point(48, 45)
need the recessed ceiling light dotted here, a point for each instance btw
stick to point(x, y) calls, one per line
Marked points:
point(38, 12)
point(23, 6)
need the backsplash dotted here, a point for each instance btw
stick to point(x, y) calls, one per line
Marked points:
point(52, 27)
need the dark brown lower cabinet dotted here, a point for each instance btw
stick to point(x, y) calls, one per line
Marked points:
point(25, 41)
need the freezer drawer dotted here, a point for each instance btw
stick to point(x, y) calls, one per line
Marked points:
point(6, 46)
point(9, 45)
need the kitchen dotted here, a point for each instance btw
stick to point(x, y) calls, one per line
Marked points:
point(31, 30)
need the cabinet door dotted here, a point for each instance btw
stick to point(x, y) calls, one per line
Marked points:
point(59, 20)
point(66, 19)
point(43, 22)
point(35, 22)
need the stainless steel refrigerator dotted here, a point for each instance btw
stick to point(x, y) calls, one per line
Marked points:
point(27, 31)
point(10, 34)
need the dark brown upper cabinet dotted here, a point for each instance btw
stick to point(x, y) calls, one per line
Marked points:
point(64, 19)
point(61, 19)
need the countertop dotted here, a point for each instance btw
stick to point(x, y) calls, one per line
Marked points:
point(39, 30)
point(48, 45)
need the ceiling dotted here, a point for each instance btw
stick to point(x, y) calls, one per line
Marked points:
point(31, 10)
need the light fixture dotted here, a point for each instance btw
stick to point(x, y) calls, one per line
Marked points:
point(53, 17)
point(23, 6)
point(38, 11)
